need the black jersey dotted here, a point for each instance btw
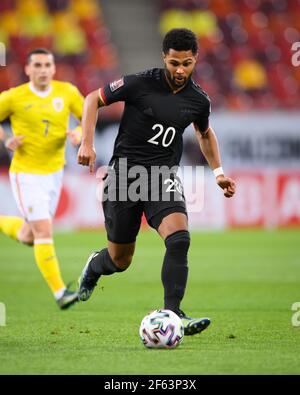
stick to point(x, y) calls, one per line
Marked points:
point(154, 118)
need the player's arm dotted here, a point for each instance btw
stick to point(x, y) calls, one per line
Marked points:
point(76, 107)
point(209, 146)
point(2, 134)
point(120, 90)
point(75, 135)
point(2, 138)
point(14, 142)
point(87, 154)
point(11, 143)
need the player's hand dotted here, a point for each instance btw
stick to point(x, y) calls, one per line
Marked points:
point(14, 142)
point(74, 136)
point(227, 184)
point(87, 156)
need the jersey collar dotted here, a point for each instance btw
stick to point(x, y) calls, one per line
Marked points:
point(40, 93)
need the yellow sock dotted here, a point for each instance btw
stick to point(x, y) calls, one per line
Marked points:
point(47, 262)
point(10, 226)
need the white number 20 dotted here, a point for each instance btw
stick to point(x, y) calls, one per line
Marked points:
point(168, 136)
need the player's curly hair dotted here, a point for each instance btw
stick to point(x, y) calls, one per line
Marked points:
point(38, 51)
point(180, 40)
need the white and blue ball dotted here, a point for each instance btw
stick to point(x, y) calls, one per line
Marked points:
point(161, 329)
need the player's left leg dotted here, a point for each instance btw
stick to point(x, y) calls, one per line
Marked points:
point(174, 231)
point(173, 228)
point(47, 262)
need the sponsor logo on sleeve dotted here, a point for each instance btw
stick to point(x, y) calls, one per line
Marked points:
point(116, 84)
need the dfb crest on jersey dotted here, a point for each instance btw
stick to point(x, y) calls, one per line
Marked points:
point(58, 103)
point(116, 84)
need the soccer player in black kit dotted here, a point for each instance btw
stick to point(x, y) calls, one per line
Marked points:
point(159, 105)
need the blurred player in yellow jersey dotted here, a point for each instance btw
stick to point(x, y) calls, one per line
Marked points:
point(39, 113)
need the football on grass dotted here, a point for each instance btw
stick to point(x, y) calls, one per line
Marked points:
point(161, 329)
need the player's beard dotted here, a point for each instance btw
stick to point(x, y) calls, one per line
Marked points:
point(172, 80)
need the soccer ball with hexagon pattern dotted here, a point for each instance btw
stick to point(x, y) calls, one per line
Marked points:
point(161, 329)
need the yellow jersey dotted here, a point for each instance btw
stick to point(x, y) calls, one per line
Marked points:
point(43, 121)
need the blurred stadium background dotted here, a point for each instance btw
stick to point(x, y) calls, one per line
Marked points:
point(245, 65)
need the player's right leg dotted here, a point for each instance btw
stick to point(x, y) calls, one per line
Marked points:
point(122, 222)
point(115, 258)
point(37, 197)
point(25, 234)
point(16, 228)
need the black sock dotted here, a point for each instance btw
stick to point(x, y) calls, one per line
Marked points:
point(174, 272)
point(102, 264)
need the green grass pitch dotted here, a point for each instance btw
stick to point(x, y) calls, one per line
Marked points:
point(245, 281)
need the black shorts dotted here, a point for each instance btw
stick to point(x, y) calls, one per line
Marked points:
point(123, 214)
